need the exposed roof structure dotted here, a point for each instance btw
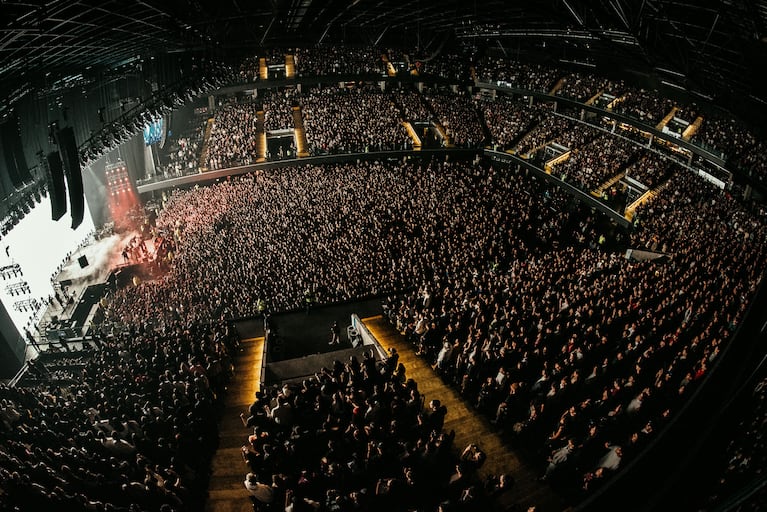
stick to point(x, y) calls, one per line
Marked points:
point(712, 46)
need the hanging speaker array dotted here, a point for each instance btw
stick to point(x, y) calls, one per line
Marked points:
point(70, 160)
point(13, 152)
point(54, 179)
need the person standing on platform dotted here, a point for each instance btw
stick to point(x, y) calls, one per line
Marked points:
point(261, 306)
point(335, 334)
point(309, 299)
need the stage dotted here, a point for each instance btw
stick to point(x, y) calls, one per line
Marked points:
point(91, 272)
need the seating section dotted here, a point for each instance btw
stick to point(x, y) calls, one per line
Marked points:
point(458, 116)
point(580, 135)
point(647, 106)
point(338, 61)
point(446, 65)
point(348, 121)
point(593, 164)
point(577, 354)
point(278, 111)
point(652, 169)
point(581, 87)
point(184, 153)
point(532, 77)
point(412, 104)
point(726, 135)
point(548, 129)
point(508, 120)
point(232, 140)
point(745, 454)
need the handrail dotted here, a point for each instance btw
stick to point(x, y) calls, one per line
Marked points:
point(579, 194)
point(318, 159)
point(262, 370)
point(636, 123)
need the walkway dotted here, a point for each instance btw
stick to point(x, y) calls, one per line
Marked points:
point(469, 426)
point(226, 491)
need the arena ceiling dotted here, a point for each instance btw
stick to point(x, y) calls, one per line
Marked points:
point(714, 46)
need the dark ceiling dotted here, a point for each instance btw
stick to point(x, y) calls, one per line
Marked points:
point(715, 47)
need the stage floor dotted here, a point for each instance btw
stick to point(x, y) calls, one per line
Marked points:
point(79, 285)
point(300, 334)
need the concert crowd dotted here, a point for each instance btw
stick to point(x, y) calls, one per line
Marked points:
point(518, 297)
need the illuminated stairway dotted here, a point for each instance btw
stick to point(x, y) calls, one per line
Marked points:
point(607, 184)
point(389, 67)
point(263, 71)
point(533, 151)
point(225, 491)
point(617, 101)
point(290, 66)
point(413, 135)
point(203, 163)
point(557, 86)
point(594, 98)
point(443, 134)
point(647, 196)
point(260, 137)
point(666, 119)
point(549, 166)
point(469, 426)
point(302, 147)
point(692, 129)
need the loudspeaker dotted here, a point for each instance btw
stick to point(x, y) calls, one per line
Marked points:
point(70, 159)
point(54, 179)
point(13, 151)
point(83, 261)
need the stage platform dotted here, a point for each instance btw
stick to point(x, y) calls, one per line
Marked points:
point(295, 370)
point(91, 272)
